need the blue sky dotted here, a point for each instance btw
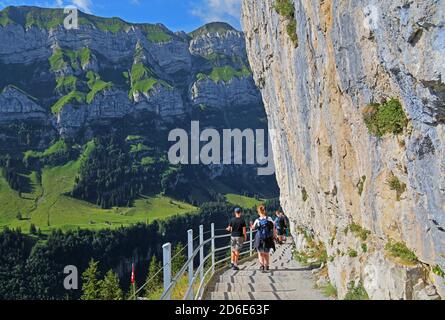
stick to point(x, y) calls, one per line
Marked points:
point(177, 15)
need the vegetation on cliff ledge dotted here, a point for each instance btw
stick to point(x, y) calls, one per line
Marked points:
point(156, 33)
point(361, 185)
point(396, 185)
point(213, 27)
point(227, 73)
point(96, 85)
point(358, 230)
point(286, 9)
point(356, 292)
point(62, 58)
point(45, 18)
point(142, 78)
point(315, 254)
point(352, 253)
point(437, 270)
point(74, 96)
point(400, 251)
point(385, 118)
point(304, 194)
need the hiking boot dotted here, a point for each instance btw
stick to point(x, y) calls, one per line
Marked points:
point(267, 268)
point(236, 268)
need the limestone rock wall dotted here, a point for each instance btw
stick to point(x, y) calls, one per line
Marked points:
point(352, 53)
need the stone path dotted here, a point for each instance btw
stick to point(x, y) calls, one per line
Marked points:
point(286, 280)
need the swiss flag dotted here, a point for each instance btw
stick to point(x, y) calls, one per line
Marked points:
point(133, 277)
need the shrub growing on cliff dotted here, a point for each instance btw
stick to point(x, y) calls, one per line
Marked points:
point(286, 9)
point(364, 247)
point(329, 290)
point(352, 253)
point(361, 185)
point(356, 292)
point(438, 271)
point(358, 230)
point(400, 251)
point(304, 195)
point(291, 29)
point(396, 185)
point(315, 256)
point(388, 117)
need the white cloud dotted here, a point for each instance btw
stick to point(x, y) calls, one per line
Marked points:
point(218, 10)
point(84, 5)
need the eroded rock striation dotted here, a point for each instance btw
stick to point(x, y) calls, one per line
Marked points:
point(373, 203)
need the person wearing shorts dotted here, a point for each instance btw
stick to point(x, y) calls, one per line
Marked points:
point(238, 229)
point(264, 237)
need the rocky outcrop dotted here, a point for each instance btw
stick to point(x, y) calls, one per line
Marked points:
point(17, 105)
point(225, 41)
point(167, 102)
point(332, 172)
point(236, 92)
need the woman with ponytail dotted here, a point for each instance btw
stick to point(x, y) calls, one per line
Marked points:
point(264, 238)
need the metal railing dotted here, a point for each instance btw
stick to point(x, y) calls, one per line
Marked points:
point(196, 276)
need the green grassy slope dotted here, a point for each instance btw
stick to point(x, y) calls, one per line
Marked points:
point(242, 201)
point(47, 206)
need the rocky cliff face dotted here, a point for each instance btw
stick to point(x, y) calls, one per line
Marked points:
point(356, 193)
point(108, 69)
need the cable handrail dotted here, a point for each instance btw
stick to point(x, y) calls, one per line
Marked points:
point(216, 255)
point(159, 271)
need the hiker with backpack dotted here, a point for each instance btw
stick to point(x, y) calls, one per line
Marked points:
point(281, 226)
point(264, 238)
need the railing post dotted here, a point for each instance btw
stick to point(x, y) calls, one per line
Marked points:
point(212, 234)
point(190, 256)
point(251, 241)
point(201, 252)
point(166, 257)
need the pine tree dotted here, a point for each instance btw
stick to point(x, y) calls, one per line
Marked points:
point(131, 291)
point(154, 277)
point(178, 258)
point(110, 288)
point(91, 283)
point(32, 229)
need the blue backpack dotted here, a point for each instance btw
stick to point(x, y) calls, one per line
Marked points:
point(264, 230)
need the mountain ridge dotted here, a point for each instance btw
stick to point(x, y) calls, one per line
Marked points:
point(19, 16)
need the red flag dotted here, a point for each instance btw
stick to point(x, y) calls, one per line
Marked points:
point(133, 278)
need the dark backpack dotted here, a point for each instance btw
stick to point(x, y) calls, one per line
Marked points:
point(282, 223)
point(264, 229)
